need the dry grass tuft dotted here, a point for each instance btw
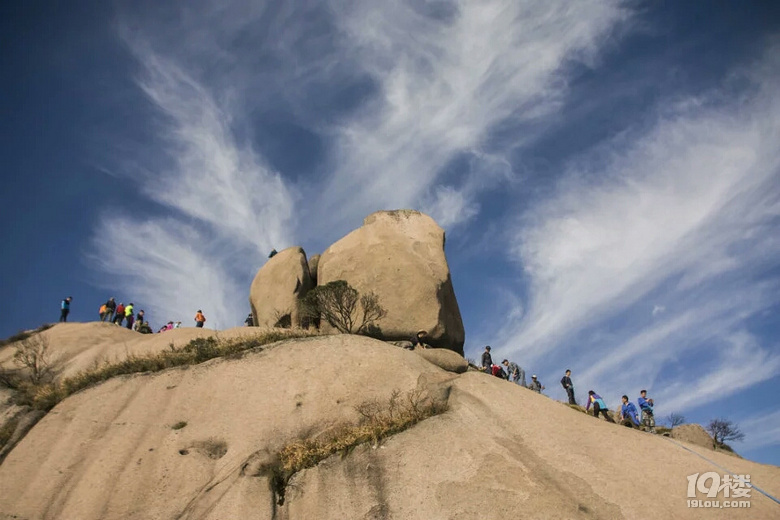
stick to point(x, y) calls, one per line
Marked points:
point(24, 334)
point(46, 396)
point(378, 421)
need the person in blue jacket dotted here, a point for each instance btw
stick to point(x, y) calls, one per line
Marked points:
point(628, 411)
point(646, 405)
point(65, 308)
point(599, 406)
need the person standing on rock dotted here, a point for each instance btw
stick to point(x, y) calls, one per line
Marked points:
point(65, 309)
point(109, 311)
point(129, 315)
point(536, 385)
point(568, 386)
point(628, 411)
point(119, 317)
point(200, 319)
point(646, 405)
point(516, 372)
point(599, 406)
point(487, 361)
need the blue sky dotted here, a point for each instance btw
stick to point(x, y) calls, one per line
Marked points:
point(607, 173)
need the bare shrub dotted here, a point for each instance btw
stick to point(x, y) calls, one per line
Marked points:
point(723, 430)
point(674, 420)
point(34, 354)
point(343, 307)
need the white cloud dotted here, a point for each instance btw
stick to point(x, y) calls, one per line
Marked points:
point(443, 83)
point(658, 309)
point(761, 430)
point(167, 269)
point(221, 201)
point(684, 212)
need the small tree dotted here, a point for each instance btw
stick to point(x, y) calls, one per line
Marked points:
point(343, 307)
point(723, 430)
point(674, 419)
point(33, 353)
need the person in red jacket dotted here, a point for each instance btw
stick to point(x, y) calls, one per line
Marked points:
point(119, 317)
point(200, 319)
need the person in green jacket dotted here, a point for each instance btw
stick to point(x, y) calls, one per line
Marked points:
point(129, 316)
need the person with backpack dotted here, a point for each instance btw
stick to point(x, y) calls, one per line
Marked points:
point(102, 312)
point(646, 405)
point(119, 317)
point(516, 372)
point(487, 360)
point(108, 312)
point(65, 309)
point(568, 386)
point(497, 371)
point(628, 411)
point(129, 315)
point(200, 319)
point(599, 406)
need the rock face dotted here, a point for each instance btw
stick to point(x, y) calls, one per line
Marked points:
point(110, 452)
point(399, 255)
point(444, 358)
point(278, 288)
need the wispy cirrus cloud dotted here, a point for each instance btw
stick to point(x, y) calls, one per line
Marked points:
point(448, 73)
point(430, 81)
point(684, 213)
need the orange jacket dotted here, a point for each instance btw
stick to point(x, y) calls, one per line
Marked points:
point(200, 317)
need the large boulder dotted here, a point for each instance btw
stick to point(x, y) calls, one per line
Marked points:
point(399, 256)
point(278, 288)
point(444, 358)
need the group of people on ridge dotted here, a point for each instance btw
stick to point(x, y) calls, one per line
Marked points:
point(120, 313)
point(628, 412)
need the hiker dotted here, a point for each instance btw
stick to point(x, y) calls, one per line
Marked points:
point(178, 325)
point(418, 339)
point(599, 406)
point(144, 327)
point(129, 315)
point(646, 405)
point(102, 311)
point(119, 317)
point(110, 309)
point(536, 385)
point(515, 372)
point(497, 371)
point(487, 360)
point(200, 319)
point(628, 411)
point(65, 308)
point(568, 386)
point(250, 320)
point(139, 320)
